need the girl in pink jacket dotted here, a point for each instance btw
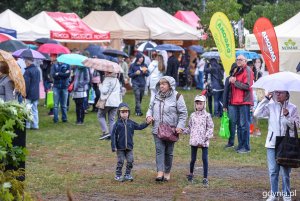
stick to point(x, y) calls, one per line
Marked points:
point(200, 128)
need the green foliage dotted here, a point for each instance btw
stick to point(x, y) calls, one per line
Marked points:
point(12, 116)
point(277, 13)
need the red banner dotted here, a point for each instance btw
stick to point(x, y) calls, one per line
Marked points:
point(75, 28)
point(268, 44)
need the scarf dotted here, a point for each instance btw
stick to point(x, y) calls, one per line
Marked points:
point(163, 96)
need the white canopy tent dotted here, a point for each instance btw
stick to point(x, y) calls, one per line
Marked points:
point(162, 25)
point(288, 35)
point(26, 31)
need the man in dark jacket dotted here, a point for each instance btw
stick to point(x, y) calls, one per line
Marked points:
point(122, 141)
point(137, 72)
point(32, 81)
point(172, 66)
point(60, 73)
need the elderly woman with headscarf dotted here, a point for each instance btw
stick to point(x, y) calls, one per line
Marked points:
point(6, 84)
point(170, 106)
point(281, 114)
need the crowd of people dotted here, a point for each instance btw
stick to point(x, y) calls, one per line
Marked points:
point(163, 77)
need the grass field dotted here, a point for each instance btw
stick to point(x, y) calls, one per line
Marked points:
point(65, 157)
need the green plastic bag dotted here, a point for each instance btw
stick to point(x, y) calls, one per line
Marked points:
point(50, 100)
point(224, 128)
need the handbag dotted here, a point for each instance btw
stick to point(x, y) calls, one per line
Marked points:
point(224, 127)
point(287, 149)
point(165, 131)
point(70, 87)
point(102, 102)
point(50, 100)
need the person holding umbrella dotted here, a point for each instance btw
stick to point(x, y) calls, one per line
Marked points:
point(281, 114)
point(137, 72)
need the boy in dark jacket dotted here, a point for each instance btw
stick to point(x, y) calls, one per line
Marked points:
point(122, 141)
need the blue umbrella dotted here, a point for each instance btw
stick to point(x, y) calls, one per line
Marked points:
point(211, 55)
point(72, 59)
point(247, 54)
point(12, 45)
point(197, 48)
point(94, 50)
point(169, 48)
point(114, 53)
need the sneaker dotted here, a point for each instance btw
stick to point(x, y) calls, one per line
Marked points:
point(128, 177)
point(139, 114)
point(257, 132)
point(205, 182)
point(79, 123)
point(229, 146)
point(243, 151)
point(287, 198)
point(105, 136)
point(190, 177)
point(272, 198)
point(119, 178)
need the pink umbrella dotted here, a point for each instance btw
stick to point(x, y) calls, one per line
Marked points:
point(5, 37)
point(51, 48)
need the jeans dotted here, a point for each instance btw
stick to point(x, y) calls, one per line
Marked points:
point(79, 110)
point(97, 93)
point(164, 154)
point(35, 114)
point(232, 123)
point(60, 98)
point(122, 155)
point(242, 114)
point(138, 93)
point(112, 111)
point(274, 170)
point(199, 80)
point(218, 99)
point(194, 150)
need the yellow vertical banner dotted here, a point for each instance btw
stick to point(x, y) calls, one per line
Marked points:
point(222, 32)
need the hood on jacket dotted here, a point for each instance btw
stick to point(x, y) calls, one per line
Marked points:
point(138, 56)
point(123, 106)
point(171, 81)
point(201, 98)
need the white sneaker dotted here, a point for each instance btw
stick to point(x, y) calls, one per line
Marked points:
point(272, 198)
point(287, 198)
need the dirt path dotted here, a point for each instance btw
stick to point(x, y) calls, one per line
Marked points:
point(230, 184)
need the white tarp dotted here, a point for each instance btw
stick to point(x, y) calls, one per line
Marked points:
point(26, 31)
point(162, 25)
point(117, 26)
point(288, 35)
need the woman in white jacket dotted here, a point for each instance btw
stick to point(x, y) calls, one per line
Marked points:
point(280, 113)
point(110, 91)
point(156, 71)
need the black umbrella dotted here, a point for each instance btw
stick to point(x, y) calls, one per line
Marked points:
point(114, 53)
point(12, 45)
point(94, 50)
point(46, 40)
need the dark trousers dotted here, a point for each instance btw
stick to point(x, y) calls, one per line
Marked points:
point(194, 150)
point(138, 93)
point(209, 102)
point(122, 155)
point(97, 93)
point(79, 109)
point(218, 100)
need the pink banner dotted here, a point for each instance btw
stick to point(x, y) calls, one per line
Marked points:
point(75, 28)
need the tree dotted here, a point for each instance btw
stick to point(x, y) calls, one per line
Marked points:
point(283, 11)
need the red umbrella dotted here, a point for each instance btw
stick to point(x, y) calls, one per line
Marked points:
point(5, 37)
point(51, 48)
